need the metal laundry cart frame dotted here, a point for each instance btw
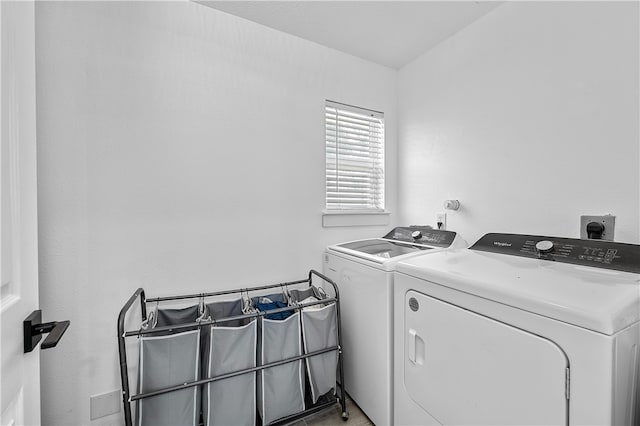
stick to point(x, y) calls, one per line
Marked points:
point(128, 398)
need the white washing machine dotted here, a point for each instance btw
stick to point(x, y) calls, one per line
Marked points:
point(519, 329)
point(363, 271)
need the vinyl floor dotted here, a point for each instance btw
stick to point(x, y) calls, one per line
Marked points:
point(333, 416)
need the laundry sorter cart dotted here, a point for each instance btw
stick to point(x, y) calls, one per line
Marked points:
point(252, 356)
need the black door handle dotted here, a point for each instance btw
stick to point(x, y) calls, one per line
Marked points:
point(34, 329)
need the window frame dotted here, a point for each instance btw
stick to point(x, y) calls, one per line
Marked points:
point(352, 147)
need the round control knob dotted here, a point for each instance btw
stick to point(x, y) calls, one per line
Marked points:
point(544, 246)
point(416, 235)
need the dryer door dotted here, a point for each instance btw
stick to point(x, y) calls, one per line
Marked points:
point(464, 368)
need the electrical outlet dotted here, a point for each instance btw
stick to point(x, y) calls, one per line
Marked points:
point(441, 218)
point(608, 221)
point(105, 404)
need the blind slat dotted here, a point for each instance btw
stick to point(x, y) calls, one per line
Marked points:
point(353, 125)
point(355, 139)
point(355, 147)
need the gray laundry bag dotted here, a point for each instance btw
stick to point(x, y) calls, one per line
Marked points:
point(229, 347)
point(280, 388)
point(319, 331)
point(168, 359)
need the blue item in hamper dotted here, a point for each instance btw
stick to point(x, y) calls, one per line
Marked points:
point(274, 305)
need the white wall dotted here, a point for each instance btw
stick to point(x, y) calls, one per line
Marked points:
point(180, 149)
point(530, 117)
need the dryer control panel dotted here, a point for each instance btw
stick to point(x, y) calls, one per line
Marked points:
point(595, 253)
point(421, 235)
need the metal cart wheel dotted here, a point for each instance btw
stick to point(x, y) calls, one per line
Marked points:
point(345, 416)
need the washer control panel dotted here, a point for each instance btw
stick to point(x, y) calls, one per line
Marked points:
point(421, 235)
point(595, 253)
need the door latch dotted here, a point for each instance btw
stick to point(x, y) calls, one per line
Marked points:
point(33, 329)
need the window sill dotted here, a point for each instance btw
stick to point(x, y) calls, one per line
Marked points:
point(332, 218)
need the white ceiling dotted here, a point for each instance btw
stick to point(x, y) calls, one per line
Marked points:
point(390, 33)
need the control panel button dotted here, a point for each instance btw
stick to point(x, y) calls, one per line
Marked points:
point(544, 246)
point(416, 235)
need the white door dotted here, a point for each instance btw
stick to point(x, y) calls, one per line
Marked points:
point(464, 368)
point(19, 372)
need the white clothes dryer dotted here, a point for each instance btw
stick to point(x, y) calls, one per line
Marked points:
point(519, 329)
point(363, 272)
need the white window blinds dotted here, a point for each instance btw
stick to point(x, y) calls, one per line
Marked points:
point(355, 158)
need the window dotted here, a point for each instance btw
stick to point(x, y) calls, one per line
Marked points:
point(355, 158)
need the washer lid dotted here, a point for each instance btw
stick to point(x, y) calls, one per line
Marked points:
point(601, 300)
point(378, 250)
point(399, 244)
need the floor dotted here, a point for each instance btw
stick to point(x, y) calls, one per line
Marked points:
point(333, 416)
